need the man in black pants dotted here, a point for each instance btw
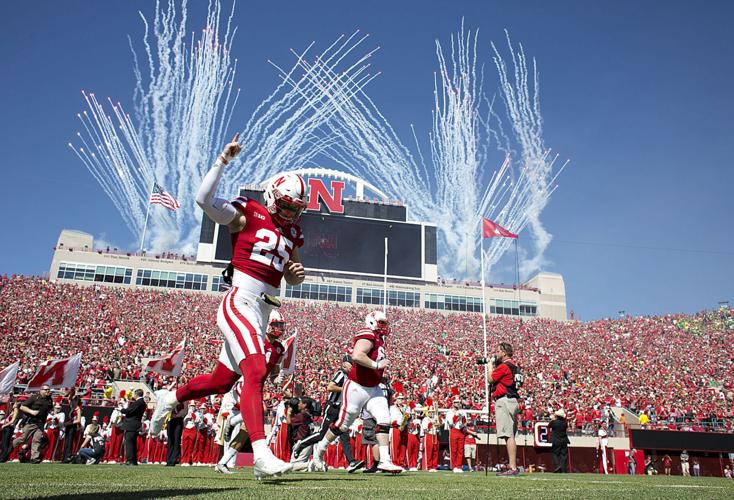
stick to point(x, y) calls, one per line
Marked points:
point(175, 429)
point(37, 407)
point(331, 414)
point(559, 440)
point(131, 425)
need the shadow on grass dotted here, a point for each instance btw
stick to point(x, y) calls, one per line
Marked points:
point(134, 495)
point(276, 480)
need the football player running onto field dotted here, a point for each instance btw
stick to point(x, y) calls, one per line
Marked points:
point(265, 241)
point(362, 390)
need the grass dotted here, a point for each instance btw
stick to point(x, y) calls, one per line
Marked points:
point(116, 481)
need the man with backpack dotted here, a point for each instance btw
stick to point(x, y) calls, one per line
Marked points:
point(506, 379)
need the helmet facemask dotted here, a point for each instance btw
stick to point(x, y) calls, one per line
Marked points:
point(276, 328)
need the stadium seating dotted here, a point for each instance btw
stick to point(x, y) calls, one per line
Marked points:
point(678, 368)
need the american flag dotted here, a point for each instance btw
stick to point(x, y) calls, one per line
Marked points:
point(161, 197)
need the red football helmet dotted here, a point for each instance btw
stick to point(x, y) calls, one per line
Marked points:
point(286, 197)
point(276, 324)
point(377, 321)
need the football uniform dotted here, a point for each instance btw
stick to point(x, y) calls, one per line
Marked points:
point(362, 390)
point(259, 255)
point(369, 377)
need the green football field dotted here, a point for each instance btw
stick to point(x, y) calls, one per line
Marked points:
point(116, 481)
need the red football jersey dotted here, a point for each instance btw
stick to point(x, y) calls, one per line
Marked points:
point(369, 377)
point(262, 248)
point(273, 353)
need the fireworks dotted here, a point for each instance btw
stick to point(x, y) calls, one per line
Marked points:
point(320, 115)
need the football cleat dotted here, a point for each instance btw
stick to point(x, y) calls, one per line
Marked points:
point(222, 469)
point(270, 465)
point(389, 467)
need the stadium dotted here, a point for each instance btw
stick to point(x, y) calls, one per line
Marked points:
point(309, 312)
point(114, 299)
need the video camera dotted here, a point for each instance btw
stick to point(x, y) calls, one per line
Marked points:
point(486, 361)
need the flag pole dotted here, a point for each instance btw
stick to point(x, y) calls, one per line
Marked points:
point(384, 286)
point(147, 212)
point(484, 332)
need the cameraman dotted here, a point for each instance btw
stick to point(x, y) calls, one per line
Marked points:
point(505, 378)
point(299, 421)
point(331, 415)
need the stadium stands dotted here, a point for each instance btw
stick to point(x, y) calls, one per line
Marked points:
point(678, 368)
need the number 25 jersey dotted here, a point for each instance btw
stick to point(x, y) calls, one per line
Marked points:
point(262, 248)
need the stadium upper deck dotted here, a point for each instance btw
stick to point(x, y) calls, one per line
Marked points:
point(76, 260)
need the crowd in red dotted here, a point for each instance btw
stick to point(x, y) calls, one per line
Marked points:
point(679, 369)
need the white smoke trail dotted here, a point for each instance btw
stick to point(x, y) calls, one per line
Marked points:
point(521, 95)
point(319, 114)
point(459, 189)
point(183, 104)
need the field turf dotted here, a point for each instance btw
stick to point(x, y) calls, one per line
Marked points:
point(116, 481)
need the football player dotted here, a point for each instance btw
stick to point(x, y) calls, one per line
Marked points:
point(265, 242)
point(362, 390)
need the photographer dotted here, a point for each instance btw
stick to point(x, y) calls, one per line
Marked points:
point(506, 378)
point(559, 440)
point(92, 449)
point(331, 414)
point(298, 418)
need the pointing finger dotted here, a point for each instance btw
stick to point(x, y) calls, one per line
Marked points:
point(236, 137)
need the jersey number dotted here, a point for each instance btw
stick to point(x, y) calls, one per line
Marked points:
point(271, 249)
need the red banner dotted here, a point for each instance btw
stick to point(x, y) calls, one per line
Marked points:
point(56, 373)
point(493, 230)
point(169, 364)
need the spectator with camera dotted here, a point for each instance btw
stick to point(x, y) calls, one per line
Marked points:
point(506, 378)
point(92, 448)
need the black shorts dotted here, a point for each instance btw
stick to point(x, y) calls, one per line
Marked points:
point(368, 431)
point(332, 413)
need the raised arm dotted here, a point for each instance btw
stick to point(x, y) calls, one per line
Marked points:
point(219, 210)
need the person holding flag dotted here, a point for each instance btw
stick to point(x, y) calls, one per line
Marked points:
point(265, 242)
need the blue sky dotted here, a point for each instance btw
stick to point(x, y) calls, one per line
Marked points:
point(638, 95)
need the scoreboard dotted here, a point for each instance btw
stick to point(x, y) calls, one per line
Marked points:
point(352, 242)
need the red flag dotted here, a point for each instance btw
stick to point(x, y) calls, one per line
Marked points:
point(169, 364)
point(56, 373)
point(492, 229)
point(289, 355)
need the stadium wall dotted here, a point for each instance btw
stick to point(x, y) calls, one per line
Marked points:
point(76, 261)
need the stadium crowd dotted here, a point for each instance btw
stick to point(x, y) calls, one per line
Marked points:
point(676, 369)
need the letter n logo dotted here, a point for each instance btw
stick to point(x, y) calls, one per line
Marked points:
point(332, 198)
